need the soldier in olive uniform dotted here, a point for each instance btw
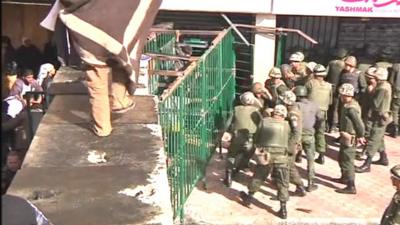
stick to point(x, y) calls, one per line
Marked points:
point(394, 80)
point(295, 122)
point(272, 153)
point(311, 119)
point(391, 216)
point(369, 94)
point(245, 121)
point(380, 113)
point(275, 86)
point(351, 130)
point(320, 92)
point(299, 68)
point(334, 70)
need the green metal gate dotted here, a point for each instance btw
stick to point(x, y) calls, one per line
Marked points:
point(193, 110)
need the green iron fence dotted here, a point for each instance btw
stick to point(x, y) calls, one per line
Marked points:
point(194, 112)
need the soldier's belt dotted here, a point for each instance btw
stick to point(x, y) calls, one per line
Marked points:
point(347, 139)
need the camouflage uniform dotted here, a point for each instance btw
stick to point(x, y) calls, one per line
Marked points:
point(275, 86)
point(298, 68)
point(391, 216)
point(320, 92)
point(380, 113)
point(351, 127)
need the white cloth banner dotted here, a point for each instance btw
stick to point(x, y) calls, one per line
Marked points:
point(348, 8)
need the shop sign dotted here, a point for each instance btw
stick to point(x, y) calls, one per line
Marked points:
point(351, 8)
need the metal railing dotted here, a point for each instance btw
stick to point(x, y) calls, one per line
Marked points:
point(194, 111)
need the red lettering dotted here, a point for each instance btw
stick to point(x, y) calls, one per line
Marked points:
point(376, 3)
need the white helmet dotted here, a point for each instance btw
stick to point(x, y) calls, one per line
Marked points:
point(381, 73)
point(346, 89)
point(275, 72)
point(370, 72)
point(319, 70)
point(280, 110)
point(288, 97)
point(311, 65)
point(247, 98)
point(296, 57)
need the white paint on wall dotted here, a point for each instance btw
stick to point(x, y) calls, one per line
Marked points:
point(264, 49)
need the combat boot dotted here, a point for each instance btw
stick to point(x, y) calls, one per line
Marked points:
point(311, 186)
point(247, 199)
point(228, 177)
point(320, 159)
point(349, 189)
point(366, 167)
point(300, 191)
point(282, 213)
point(383, 160)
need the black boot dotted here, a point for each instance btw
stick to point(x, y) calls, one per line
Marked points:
point(311, 186)
point(300, 191)
point(228, 178)
point(299, 157)
point(383, 160)
point(349, 189)
point(366, 167)
point(320, 159)
point(283, 212)
point(246, 198)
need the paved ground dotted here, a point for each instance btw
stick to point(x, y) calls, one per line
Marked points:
point(217, 204)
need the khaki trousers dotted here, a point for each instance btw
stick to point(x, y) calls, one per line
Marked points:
point(107, 91)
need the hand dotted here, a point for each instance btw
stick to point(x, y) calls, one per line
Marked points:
point(362, 141)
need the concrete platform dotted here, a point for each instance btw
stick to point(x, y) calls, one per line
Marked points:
point(217, 204)
point(75, 177)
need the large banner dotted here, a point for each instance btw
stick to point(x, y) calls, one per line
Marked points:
point(350, 8)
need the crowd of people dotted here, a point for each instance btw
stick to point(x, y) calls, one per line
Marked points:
point(297, 105)
point(26, 76)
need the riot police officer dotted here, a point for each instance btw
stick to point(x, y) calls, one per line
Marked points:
point(391, 216)
point(244, 126)
point(380, 113)
point(272, 153)
point(295, 122)
point(320, 92)
point(351, 130)
point(311, 119)
point(275, 86)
